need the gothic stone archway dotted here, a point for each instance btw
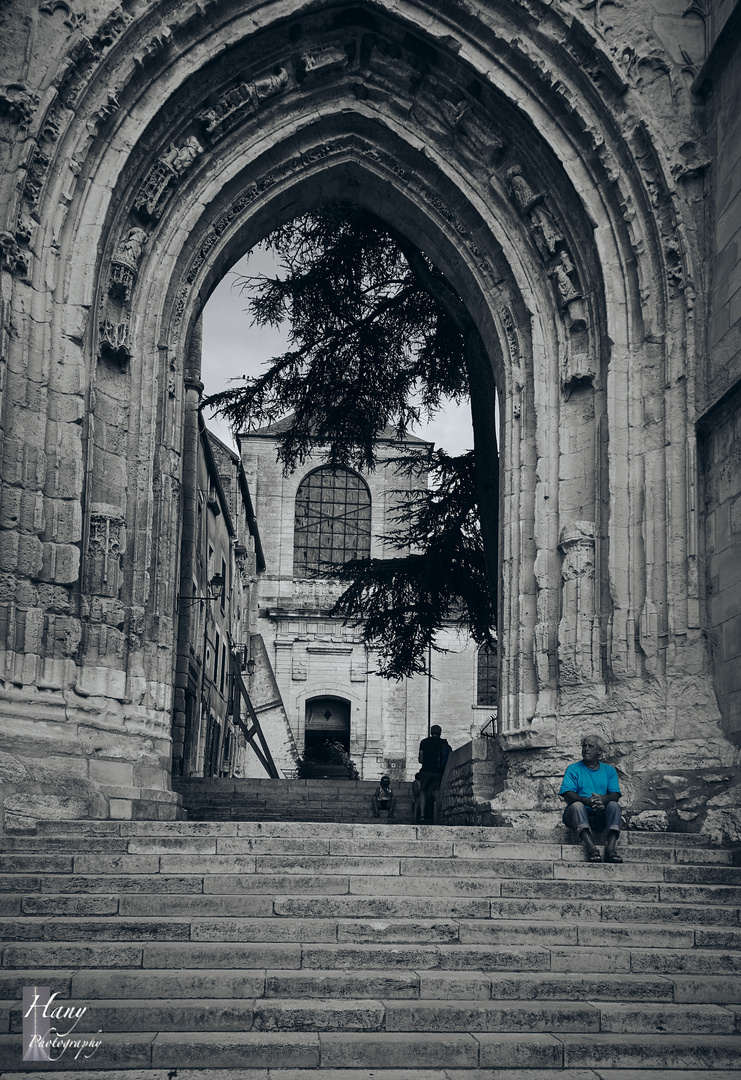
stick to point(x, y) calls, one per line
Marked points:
point(521, 150)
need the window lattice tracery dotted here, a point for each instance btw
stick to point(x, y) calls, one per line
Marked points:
point(332, 523)
point(487, 676)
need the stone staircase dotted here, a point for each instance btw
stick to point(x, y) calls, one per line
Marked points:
point(330, 799)
point(266, 951)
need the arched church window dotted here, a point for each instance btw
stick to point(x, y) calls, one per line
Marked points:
point(332, 524)
point(487, 676)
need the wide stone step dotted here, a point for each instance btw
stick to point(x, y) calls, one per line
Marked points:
point(39, 869)
point(531, 955)
point(435, 984)
point(399, 1074)
point(339, 830)
point(559, 924)
point(375, 1015)
point(15, 886)
point(400, 1050)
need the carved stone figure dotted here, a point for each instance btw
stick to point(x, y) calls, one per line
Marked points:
point(531, 206)
point(24, 228)
point(180, 158)
point(130, 250)
point(523, 195)
point(35, 176)
point(240, 101)
point(18, 103)
point(271, 84)
point(560, 274)
point(575, 629)
point(323, 59)
point(453, 113)
point(546, 235)
point(166, 171)
point(125, 263)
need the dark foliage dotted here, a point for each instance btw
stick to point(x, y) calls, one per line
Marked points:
point(329, 753)
point(365, 335)
point(401, 602)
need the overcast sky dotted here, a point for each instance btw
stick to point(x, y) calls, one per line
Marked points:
point(233, 347)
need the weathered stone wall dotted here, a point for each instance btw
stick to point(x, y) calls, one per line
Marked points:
point(720, 82)
point(550, 158)
point(720, 457)
point(473, 773)
point(719, 403)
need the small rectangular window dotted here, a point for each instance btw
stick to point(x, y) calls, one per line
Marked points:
point(216, 658)
point(487, 676)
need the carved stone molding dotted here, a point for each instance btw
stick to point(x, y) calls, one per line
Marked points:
point(321, 60)
point(105, 549)
point(125, 264)
point(578, 630)
point(513, 341)
point(35, 176)
point(48, 7)
point(114, 341)
point(18, 103)
point(241, 101)
point(576, 545)
point(112, 27)
point(165, 173)
point(12, 257)
point(105, 536)
point(323, 152)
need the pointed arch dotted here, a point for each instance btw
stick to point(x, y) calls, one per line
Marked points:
point(508, 142)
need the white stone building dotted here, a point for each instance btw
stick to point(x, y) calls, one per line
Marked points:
point(321, 515)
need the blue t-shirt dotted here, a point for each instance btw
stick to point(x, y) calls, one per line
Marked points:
point(586, 782)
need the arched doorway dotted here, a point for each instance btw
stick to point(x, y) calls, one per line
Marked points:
point(327, 720)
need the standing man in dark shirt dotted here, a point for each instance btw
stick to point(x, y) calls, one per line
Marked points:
point(433, 755)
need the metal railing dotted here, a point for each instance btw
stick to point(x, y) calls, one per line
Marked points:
point(253, 733)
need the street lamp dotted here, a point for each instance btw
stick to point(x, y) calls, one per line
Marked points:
point(214, 587)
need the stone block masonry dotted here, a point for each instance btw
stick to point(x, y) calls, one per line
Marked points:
point(554, 165)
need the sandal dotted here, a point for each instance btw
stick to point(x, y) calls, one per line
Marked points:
point(612, 856)
point(593, 852)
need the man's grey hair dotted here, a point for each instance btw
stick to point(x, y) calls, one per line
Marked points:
point(597, 738)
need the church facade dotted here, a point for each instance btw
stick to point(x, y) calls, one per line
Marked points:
point(572, 168)
point(310, 520)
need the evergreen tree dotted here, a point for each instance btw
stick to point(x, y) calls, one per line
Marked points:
point(378, 338)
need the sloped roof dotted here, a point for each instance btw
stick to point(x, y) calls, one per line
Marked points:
point(270, 431)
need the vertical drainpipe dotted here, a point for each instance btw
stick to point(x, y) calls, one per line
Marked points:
point(429, 688)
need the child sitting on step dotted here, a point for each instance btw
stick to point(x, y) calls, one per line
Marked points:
point(383, 798)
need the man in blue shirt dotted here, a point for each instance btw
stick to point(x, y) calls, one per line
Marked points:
point(591, 789)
